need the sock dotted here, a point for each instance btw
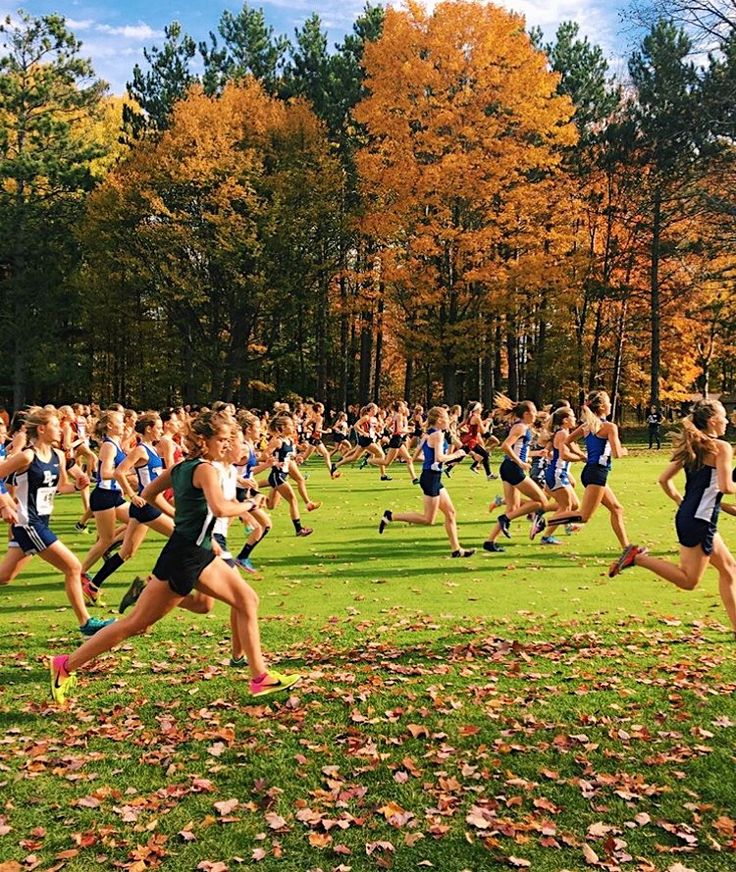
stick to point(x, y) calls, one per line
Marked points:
point(266, 531)
point(297, 524)
point(63, 671)
point(245, 551)
point(388, 515)
point(110, 566)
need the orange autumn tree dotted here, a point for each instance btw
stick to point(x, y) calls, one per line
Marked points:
point(464, 132)
point(211, 243)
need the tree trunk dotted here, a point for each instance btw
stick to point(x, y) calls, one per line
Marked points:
point(449, 384)
point(366, 357)
point(497, 360)
point(321, 343)
point(344, 347)
point(379, 348)
point(593, 374)
point(18, 293)
point(408, 378)
point(488, 386)
point(618, 360)
point(511, 352)
point(654, 288)
point(537, 387)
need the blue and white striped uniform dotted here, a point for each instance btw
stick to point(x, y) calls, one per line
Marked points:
point(697, 514)
point(598, 465)
point(598, 450)
point(151, 471)
point(510, 470)
point(280, 464)
point(557, 474)
point(430, 478)
point(35, 489)
point(109, 483)
point(107, 493)
point(430, 462)
point(146, 474)
point(521, 446)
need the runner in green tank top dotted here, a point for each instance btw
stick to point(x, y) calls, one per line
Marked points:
point(187, 562)
point(193, 520)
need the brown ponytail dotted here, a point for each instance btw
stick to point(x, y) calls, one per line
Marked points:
point(693, 446)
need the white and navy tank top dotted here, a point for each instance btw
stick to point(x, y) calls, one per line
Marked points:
point(146, 474)
point(35, 489)
point(110, 483)
point(598, 450)
point(430, 461)
point(521, 445)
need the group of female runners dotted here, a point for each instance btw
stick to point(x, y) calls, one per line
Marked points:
point(187, 475)
point(538, 483)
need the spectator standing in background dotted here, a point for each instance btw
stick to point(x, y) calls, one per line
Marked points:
point(654, 420)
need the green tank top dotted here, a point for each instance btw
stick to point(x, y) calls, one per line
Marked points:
point(193, 520)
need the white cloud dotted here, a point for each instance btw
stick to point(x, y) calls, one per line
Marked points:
point(131, 31)
point(75, 25)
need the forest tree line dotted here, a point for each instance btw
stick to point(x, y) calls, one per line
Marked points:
point(442, 206)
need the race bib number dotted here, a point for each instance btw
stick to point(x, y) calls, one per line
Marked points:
point(45, 500)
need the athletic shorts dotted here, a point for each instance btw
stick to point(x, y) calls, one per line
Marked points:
point(225, 553)
point(277, 477)
point(556, 480)
point(396, 441)
point(180, 564)
point(594, 473)
point(511, 472)
point(692, 532)
point(31, 538)
point(468, 444)
point(101, 499)
point(144, 514)
point(314, 441)
point(430, 482)
point(365, 441)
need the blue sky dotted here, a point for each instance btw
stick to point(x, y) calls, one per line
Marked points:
point(115, 33)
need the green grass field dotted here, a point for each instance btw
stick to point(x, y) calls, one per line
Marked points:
point(518, 710)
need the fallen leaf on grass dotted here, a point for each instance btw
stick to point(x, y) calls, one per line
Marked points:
point(226, 806)
point(372, 847)
point(319, 840)
point(275, 821)
point(591, 858)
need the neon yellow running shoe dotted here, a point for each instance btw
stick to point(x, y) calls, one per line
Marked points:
point(61, 687)
point(272, 682)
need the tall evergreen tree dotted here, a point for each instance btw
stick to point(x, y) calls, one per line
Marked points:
point(248, 46)
point(669, 135)
point(45, 89)
point(167, 80)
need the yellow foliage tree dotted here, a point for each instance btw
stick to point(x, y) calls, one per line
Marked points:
point(459, 171)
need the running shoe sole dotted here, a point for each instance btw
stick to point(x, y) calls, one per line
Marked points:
point(285, 682)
